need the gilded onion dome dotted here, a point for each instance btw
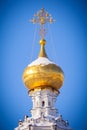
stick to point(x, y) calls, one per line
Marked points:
point(43, 73)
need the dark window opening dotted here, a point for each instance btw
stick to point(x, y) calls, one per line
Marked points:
point(49, 103)
point(43, 103)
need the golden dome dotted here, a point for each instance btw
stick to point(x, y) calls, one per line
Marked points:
point(43, 73)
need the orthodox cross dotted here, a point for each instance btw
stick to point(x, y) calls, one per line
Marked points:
point(42, 17)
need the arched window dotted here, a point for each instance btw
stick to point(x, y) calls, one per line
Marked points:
point(43, 103)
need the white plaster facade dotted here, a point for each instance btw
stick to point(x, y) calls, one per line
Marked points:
point(43, 103)
point(44, 114)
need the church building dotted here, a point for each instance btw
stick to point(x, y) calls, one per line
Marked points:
point(43, 78)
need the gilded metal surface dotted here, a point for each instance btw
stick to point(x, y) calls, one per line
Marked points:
point(42, 49)
point(42, 41)
point(40, 76)
point(42, 17)
point(51, 75)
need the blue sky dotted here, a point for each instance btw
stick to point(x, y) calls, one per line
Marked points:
point(66, 46)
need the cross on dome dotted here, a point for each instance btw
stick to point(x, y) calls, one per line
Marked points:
point(42, 17)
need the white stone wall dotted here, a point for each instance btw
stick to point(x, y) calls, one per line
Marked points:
point(43, 113)
point(43, 102)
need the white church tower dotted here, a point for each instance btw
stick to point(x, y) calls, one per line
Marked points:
point(43, 78)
